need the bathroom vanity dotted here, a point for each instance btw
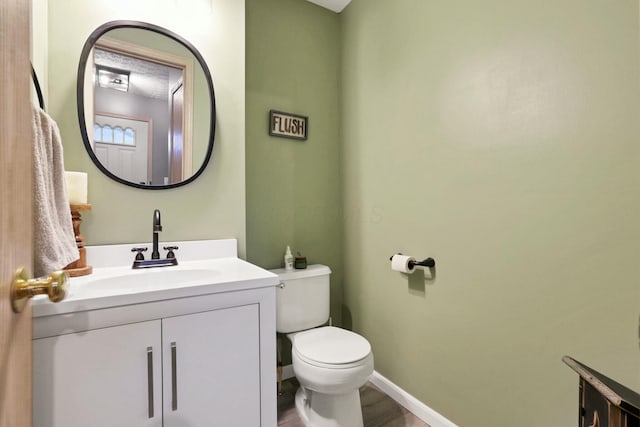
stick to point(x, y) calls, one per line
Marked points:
point(192, 344)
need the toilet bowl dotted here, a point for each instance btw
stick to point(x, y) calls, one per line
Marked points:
point(330, 363)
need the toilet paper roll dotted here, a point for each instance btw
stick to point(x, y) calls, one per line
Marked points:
point(401, 263)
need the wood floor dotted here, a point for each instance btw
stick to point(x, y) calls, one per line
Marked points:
point(378, 409)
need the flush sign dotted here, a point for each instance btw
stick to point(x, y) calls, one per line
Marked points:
point(288, 125)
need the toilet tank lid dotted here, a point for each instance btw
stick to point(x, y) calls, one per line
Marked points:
point(311, 271)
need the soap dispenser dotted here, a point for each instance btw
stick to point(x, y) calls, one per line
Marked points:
point(288, 259)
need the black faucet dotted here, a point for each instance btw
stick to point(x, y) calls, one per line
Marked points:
point(155, 260)
point(157, 228)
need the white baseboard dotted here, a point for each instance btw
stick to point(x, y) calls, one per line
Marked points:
point(416, 407)
point(403, 398)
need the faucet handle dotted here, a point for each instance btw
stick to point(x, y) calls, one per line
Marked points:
point(171, 254)
point(139, 256)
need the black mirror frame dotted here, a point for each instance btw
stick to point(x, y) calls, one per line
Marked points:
point(84, 56)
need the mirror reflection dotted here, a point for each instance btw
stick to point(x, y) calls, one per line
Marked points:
point(147, 103)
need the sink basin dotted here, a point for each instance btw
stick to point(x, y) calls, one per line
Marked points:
point(146, 280)
point(206, 267)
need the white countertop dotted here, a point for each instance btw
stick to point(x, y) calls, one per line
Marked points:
point(120, 285)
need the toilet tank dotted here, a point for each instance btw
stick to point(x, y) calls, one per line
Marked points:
point(302, 299)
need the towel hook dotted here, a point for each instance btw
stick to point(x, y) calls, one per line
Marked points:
point(36, 83)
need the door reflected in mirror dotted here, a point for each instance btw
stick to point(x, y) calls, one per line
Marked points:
point(146, 105)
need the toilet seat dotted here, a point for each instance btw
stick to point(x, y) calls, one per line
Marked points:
point(331, 347)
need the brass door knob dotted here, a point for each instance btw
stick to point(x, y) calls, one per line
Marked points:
point(54, 285)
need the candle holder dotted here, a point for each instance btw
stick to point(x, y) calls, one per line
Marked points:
point(79, 267)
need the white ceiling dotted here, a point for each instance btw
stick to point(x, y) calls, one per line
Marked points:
point(335, 5)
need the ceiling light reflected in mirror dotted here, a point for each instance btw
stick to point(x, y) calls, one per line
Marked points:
point(112, 78)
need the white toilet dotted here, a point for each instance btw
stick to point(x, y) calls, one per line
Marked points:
point(330, 363)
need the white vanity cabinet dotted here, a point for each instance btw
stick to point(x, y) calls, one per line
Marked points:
point(97, 378)
point(211, 368)
point(200, 360)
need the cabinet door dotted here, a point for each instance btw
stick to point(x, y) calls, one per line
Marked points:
point(211, 366)
point(99, 378)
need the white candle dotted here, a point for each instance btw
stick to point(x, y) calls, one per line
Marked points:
point(76, 187)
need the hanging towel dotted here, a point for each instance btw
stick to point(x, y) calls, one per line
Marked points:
point(54, 241)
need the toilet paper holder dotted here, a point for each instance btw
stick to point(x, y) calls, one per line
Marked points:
point(428, 262)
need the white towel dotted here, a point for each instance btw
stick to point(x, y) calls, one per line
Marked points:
point(54, 241)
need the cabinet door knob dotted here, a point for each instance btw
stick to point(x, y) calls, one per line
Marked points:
point(54, 285)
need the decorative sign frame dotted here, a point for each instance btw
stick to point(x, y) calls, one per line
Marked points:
point(287, 125)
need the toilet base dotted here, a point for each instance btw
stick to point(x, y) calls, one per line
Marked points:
point(329, 410)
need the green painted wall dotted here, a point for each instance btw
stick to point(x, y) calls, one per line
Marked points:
point(294, 189)
point(211, 207)
point(508, 136)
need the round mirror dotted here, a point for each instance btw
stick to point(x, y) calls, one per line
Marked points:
point(146, 105)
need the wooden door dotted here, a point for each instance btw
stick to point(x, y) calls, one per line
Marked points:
point(15, 209)
point(176, 133)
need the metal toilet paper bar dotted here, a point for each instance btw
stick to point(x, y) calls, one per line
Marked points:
point(428, 262)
